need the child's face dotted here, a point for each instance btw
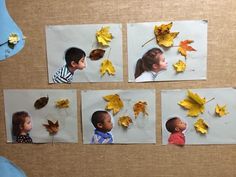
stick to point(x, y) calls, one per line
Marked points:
point(107, 124)
point(180, 125)
point(80, 65)
point(27, 125)
point(162, 62)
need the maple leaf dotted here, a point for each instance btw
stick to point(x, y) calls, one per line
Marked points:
point(41, 102)
point(194, 103)
point(114, 103)
point(180, 66)
point(138, 107)
point(96, 54)
point(125, 121)
point(164, 36)
point(201, 126)
point(221, 110)
point(104, 36)
point(107, 66)
point(62, 103)
point(184, 47)
point(51, 127)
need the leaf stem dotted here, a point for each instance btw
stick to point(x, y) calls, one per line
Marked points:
point(148, 41)
point(210, 100)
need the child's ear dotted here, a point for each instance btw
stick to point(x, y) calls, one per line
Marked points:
point(155, 66)
point(99, 125)
point(73, 63)
point(177, 129)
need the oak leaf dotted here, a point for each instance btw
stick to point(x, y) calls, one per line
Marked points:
point(138, 107)
point(125, 121)
point(107, 66)
point(51, 127)
point(201, 126)
point(194, 104)
point(184, 47)
point(164, 36)
point(41, 102)
point(114, 103)
point(62, 103)
point(180, 66)
point(104, 36)
point(221, 110)
point(96, 54)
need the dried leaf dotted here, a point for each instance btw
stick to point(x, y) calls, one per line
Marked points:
point(180, 66)
point(108, 67)
point(96, 54)
point(140, 107)
point(41, 102)
point(184, 47)
point(125, 121)
point(164, 36)
point(62, 103)
point(221, 110)
point(114, 103)
point(104, 36)
point(201, 126)
point(194, 103)
point(51, 127)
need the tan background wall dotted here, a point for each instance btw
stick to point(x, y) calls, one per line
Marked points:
point(28, 69)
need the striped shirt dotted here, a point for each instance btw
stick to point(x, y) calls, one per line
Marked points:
point(101, 138)
point(63, 75)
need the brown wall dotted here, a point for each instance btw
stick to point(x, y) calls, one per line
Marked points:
point(28, 69)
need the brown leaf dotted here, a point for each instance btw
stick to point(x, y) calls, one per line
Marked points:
point(41, 102)
point(51, 127)
point(96, 54)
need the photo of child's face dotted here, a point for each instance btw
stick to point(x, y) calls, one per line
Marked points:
point(27, 125)
point(180, 125)
point(163, 63)
point(81, 64)
point(107, 123)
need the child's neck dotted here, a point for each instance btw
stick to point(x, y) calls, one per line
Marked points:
point(23, 133)
point(71, 69)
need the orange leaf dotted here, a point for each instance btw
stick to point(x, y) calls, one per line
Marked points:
point(51, 127)
point(184, 47)
point(140, 107)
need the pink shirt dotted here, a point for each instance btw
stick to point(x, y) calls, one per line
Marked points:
point(177, 138)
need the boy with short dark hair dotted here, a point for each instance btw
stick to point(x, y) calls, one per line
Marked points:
point(75, 59)
point(101, 120)
point(176, 127)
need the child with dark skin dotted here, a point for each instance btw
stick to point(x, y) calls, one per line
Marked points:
point(101, 120)
point(176, 127)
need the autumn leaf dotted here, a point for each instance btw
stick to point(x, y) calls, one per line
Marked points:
point(221, 110)
point(51, 127)
point(194, 103)
point(96, 54)
point(201, 126)
point(108, 67)
point(41, 102)
point(180, 66)
point(184, 47)
point(125, 121)
point(114, 103)
point(163, 35)
point(104, 36)
point(140, 107)
point(62, 103)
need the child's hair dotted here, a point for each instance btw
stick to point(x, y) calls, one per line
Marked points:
point(74, 54)
point(146, 62)
point(98, 117)
point(170, 124)
point(18, 120)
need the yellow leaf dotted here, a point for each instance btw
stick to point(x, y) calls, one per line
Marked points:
point(221, 110)
point(164, 36)
point(13, 38)
point(114, 103)
point(62, 103)
point(180, 66)
point(140, 107)
point(194, 104)
point(104, 36)
point(108, 67)
point(125, 121)
point(184, 47)
point(201, 126)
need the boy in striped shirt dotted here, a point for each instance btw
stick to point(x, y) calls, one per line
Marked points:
point(101, 120)
point(75, 59)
